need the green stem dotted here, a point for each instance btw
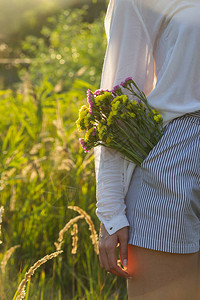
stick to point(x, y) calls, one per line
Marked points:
point(124, 151)
point(128, 153)
point(144, 138)
point(135, 144)
point(135, 94)
point(141, 96)
point(146, 126)
point(132, 132)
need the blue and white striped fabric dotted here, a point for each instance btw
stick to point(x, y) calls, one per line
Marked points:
point(163, 200)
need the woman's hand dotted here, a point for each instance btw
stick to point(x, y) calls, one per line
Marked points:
point(107, 250)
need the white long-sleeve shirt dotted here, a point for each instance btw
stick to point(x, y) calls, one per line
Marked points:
point(157, 43)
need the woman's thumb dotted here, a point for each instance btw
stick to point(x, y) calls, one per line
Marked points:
point(124, 251)
point(125, 263)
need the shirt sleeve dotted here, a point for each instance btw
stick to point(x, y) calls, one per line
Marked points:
point(128, 54)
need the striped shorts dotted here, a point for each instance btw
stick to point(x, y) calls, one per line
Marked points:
point(163, 199)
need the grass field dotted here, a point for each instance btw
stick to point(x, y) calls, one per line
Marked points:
point(49, 228)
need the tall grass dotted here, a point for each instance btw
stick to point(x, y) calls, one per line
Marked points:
point(46, 179)
point(47, 182)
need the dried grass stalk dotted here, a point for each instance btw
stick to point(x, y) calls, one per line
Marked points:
point(93, 236)
point(74, 234)
point(62, 231)
point(13, 197)
point(6, 257)
point(1, 214)
point(22, 285)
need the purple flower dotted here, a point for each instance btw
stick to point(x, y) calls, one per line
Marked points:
point(89, 96)
point(90, 110)
point(126, 81)
point(98, 92)
point(89, 100)
point(83, 144)
point(116, 90)
point(94, 132)
point(91, 104)
point(116, 87)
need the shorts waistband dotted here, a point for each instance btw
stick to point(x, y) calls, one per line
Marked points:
point(193, 114)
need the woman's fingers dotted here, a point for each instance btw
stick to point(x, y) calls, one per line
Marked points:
point(104, 264)
point(103, 259)
point(123, 238)
point(112, 259)
point(107, 251)
point(108, 261)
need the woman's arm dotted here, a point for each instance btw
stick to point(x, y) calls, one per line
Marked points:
point(128, 53)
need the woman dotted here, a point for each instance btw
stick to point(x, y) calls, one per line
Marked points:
point(153, 211)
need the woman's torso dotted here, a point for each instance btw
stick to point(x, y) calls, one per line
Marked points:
point(173, 27)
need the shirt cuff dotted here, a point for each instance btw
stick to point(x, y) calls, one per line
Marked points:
point(116, 223)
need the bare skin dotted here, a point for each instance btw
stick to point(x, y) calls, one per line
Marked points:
point(153, 275)
point(161, 275)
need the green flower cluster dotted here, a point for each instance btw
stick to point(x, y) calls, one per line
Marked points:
point(103, 99)
point(157, 116)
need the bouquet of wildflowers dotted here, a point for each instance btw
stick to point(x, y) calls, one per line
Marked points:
point(114, 120)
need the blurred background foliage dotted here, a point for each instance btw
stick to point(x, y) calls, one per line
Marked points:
point(19, 19)
point(51, 53)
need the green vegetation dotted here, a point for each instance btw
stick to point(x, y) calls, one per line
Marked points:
point(69, 49)
point(43, 168)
